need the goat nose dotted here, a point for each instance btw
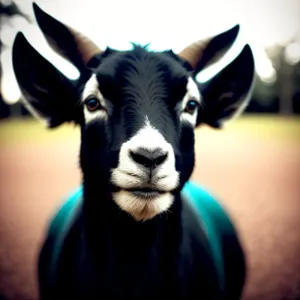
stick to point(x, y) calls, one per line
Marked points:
point(149, 158)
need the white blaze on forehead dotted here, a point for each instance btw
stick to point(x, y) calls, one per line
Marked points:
point(148, 137)
point(92, 89)
point(130, 175)
point(191, 94)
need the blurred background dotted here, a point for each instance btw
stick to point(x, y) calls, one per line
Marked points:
point(252, 165)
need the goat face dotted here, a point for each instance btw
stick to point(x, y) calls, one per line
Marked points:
point(144, 106)
point(137, 109)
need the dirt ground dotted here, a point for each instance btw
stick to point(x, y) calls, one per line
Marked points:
point(256, 177)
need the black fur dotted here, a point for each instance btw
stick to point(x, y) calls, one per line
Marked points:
point(107, 254)
point(164, 257)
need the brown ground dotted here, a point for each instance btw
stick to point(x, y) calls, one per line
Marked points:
point(257, 178)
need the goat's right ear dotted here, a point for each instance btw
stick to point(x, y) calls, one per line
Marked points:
point(66, 41)
point(49, 95)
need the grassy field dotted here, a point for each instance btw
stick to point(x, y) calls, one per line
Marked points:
point(261, 126)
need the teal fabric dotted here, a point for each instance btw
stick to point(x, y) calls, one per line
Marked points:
point(211, 214)
point(59, 227)
point(215, 221)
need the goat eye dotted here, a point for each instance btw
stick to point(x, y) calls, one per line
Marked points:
point(92, 104)
point(191, 106)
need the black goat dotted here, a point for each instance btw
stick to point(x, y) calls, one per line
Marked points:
point(137, 229)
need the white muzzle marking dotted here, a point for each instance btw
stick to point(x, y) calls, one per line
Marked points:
point(130, 175)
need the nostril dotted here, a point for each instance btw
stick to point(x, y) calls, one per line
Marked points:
point(149, 158)
point(160, 159)
point(140, 158)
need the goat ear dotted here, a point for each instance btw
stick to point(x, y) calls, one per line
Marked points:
point(48, 94)
point(66, 41)
point(227, 94)
point(203, 53)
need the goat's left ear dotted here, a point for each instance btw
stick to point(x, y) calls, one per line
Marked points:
point(201, 54)
point(228, 93)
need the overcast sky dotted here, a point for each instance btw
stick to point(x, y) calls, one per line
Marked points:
point(164, 23)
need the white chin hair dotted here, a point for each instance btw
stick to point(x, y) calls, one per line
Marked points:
point(143, 209)
point(123, 180)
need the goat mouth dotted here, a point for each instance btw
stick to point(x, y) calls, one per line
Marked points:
point(146, 193)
